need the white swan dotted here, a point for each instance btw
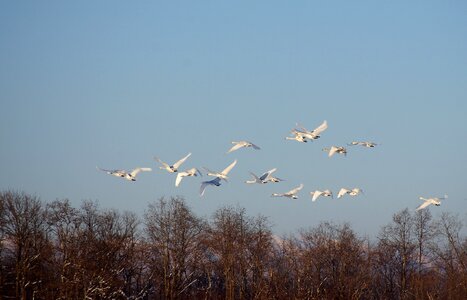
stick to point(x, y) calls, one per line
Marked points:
point(364, 144)
point(131, 176)
point(242, 144)
point(172, 168)
point(331, 151)
point(224, 172)
point(271, 178)
point(297, 136)
point(265, 178)
point(190, 172)
point(313, 134)
point(351, 192)
point(215, 182)
point(435, 201)
point(316, 194)
point(290, 194)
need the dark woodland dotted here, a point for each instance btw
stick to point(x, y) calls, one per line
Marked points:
point(52, 250)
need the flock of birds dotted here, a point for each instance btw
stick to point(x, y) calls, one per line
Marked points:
point(299, 134)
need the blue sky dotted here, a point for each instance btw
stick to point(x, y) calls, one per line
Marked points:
point(113, 84)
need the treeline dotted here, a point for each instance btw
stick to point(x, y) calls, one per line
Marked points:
point(56, 251)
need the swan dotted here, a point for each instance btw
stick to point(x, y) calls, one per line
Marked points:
point(271, 178)
point(190, 172)
point(242, 144)
point(435, 201)
point(290, 194)
point(334, 149)
point(351, 192)
point(131, 176)
point(297, 136)
point(313, 134)
point(265, 178)
point(364, 144)
point(172, 168)
point(215, 182)
point(222, 174)
point(317, 193)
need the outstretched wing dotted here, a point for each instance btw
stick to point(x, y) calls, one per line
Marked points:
point(332, 151)
point(256, 177)
point(104, 170)
point(202, 188)
point(321, 128)
point(179, 178)
point(254, 146)
point(267, 175)
point(137, 170)
point(237, 146)
point(204, 184)
point(342, 192)
point(424, 204)
point(227, 170)
point(301, 127)
point(295, 190)
point(113, 172)
point(315, 195)
point(163, 163)
point(178, 163)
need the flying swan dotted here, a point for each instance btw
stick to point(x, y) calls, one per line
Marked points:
point(172, 168)
point(131, 176)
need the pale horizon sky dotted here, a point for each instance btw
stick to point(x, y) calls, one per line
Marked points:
point(113, 84)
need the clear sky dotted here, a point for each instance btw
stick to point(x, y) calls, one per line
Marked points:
point(113, 83)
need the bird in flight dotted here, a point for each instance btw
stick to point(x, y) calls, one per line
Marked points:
point(331, 151)
point(215, 182)
point(364, 144)
point(313, 134)
point(316, 194)
point(351, 192)
point(427, 201)
point(130, 176)
point(172, 168)
point(297, 136)
point(265, 178)
point(242, 144)
point(290, 194)
point(190, 172)
point(224, 172)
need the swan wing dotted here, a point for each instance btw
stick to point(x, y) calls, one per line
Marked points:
point(202, 188)
point(227, 170)
point(179, 178)
point(237, 146)
point(163, 163)
point(320, 128)
point(295, 190)
point(315, 195)
point(254, 146)
point(181, 161)
point(137, 170)
point(423, 205)
point(342, 192)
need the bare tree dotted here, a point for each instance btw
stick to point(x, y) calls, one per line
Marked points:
point(23, 233)
point(174, 234)
point(397, 247)
point(451, 253)
point(335, 263)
